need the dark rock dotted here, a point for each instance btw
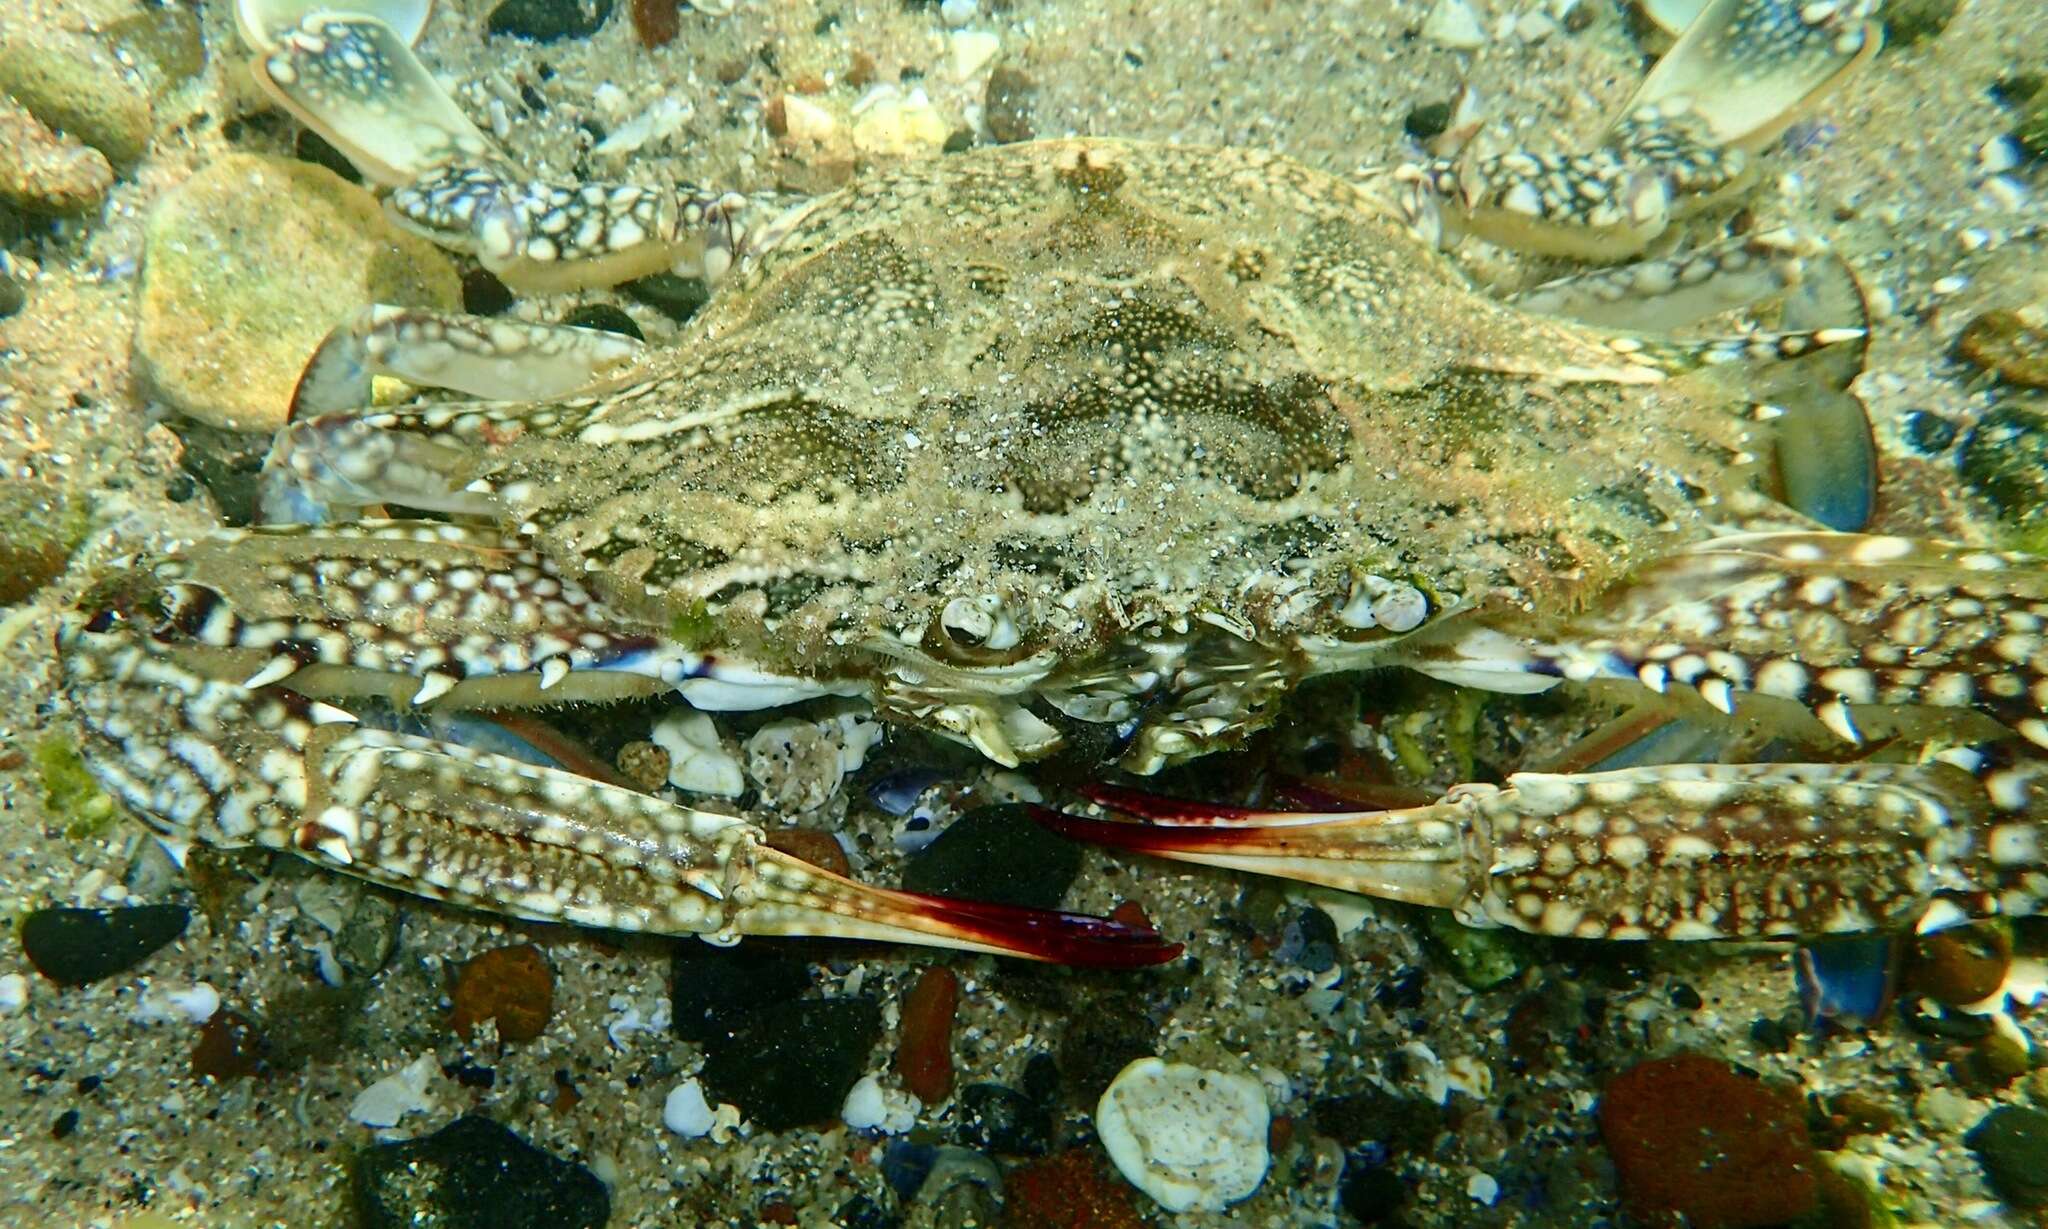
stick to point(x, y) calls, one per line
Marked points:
point(369, 937)
point(1927, 432)
point(2004, 458)
point(656, 21)
point(1373, 1115)
point(1310, 940)
point(1007, 103)
point(2012, 1145)
point(231, 1046)
point(1402, 991)
point(484, 295)
point(1103, 1036)
point(958, 141)
point(1003, 1121)
point(1042, 1079)
point(2004, 342)
point(226, 462)
point(1480, 958)
point(790, 1064)
point(714, 988)
point(860, 1212)
point(1958, 965)
point(905, 1166)
point(676, 297)
point(13, 295)
point(75, 947)
point(474, 1174)
point(66, 1124)
point(549, 21)
point(996, 854)
point(1685, 998)
point(606, 317)
point(39, 528)
point(1370, 1196)
point(1428, 120)
point(1908, 21)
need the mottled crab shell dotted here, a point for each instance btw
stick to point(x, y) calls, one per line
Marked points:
point(1124, 427)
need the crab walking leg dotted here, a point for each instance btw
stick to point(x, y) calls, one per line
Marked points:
point(353, 80)
point(1673, 852)
point(1744, 70)
point(225, 764)
point(1832, 622)
point(424, 612)
point(495, 359)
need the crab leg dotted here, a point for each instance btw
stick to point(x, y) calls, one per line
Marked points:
point(1675, 852)
point(231, 765)
point(1744, 70)
point(352, 79)
point(1836, 623)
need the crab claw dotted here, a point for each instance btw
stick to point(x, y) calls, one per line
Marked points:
point(1683, 851)
point(227, 764)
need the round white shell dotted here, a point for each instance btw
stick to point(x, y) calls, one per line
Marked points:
point(1190, 1138)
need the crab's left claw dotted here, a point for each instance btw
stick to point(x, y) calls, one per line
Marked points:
point(228, 764)
point(1748, 851)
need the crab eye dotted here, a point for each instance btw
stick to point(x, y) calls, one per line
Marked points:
point(1375, 601)
point(980, 622)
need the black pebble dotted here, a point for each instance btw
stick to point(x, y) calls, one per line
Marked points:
point(227, 463)
point(474, 1174)
point(2004, 458)
point(1310, 940)
point(1402, 991)
point(715, 988)
point(1003, 1121)
point(549, 21)
point(860, 1212)
point(1428, 120)
point(1371, 1196)
point(790, 1065)
point(2012, 1144)
point(1928, 432)
point(74, 947)
point(1373, 1115)
point(66, 1123)
point(1686, 998)
point(483, 294)
point(1770, 1034)
point(996, 854)
point(1042, 1079)
point(678, 298)
point(606, 317)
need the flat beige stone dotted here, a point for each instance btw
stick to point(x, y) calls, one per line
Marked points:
point(248, 264)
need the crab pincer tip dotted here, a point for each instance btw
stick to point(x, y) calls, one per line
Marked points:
point(1049, 935)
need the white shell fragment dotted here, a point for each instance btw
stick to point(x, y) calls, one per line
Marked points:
point(871, 1107)
point(1191, 1138)
point(13, 993)
point(799, 764)
point(689, 1115)
point(698, 760)
point(383, 1103)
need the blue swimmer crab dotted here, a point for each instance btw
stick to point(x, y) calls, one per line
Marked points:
point(1088, 433)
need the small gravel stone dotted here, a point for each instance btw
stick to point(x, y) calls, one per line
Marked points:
point(474, 1174)
point(791, 1064)
point(996, 854)
point(77, 87)
point(39, 528)
point(231, 1046)
point(43, 172)
point(271, 239)
point(484, 295)
point(1927, 432)
point(924, 1055)
point(676, 297)
point(1000, 1120)
point(957, 13)
point(1006, 104)
point(1453, 24)
point(1371, 1195)
point(1692, 1137)
point(1908, 21)
point(1071, 1188)
point(1959, 965)
point(549, 21)
point(2012, 1145)
point(512, 986)
point(2010, 343)
point(75, 947)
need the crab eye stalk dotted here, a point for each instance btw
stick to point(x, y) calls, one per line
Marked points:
point(982, 622)
point(1374, 601)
